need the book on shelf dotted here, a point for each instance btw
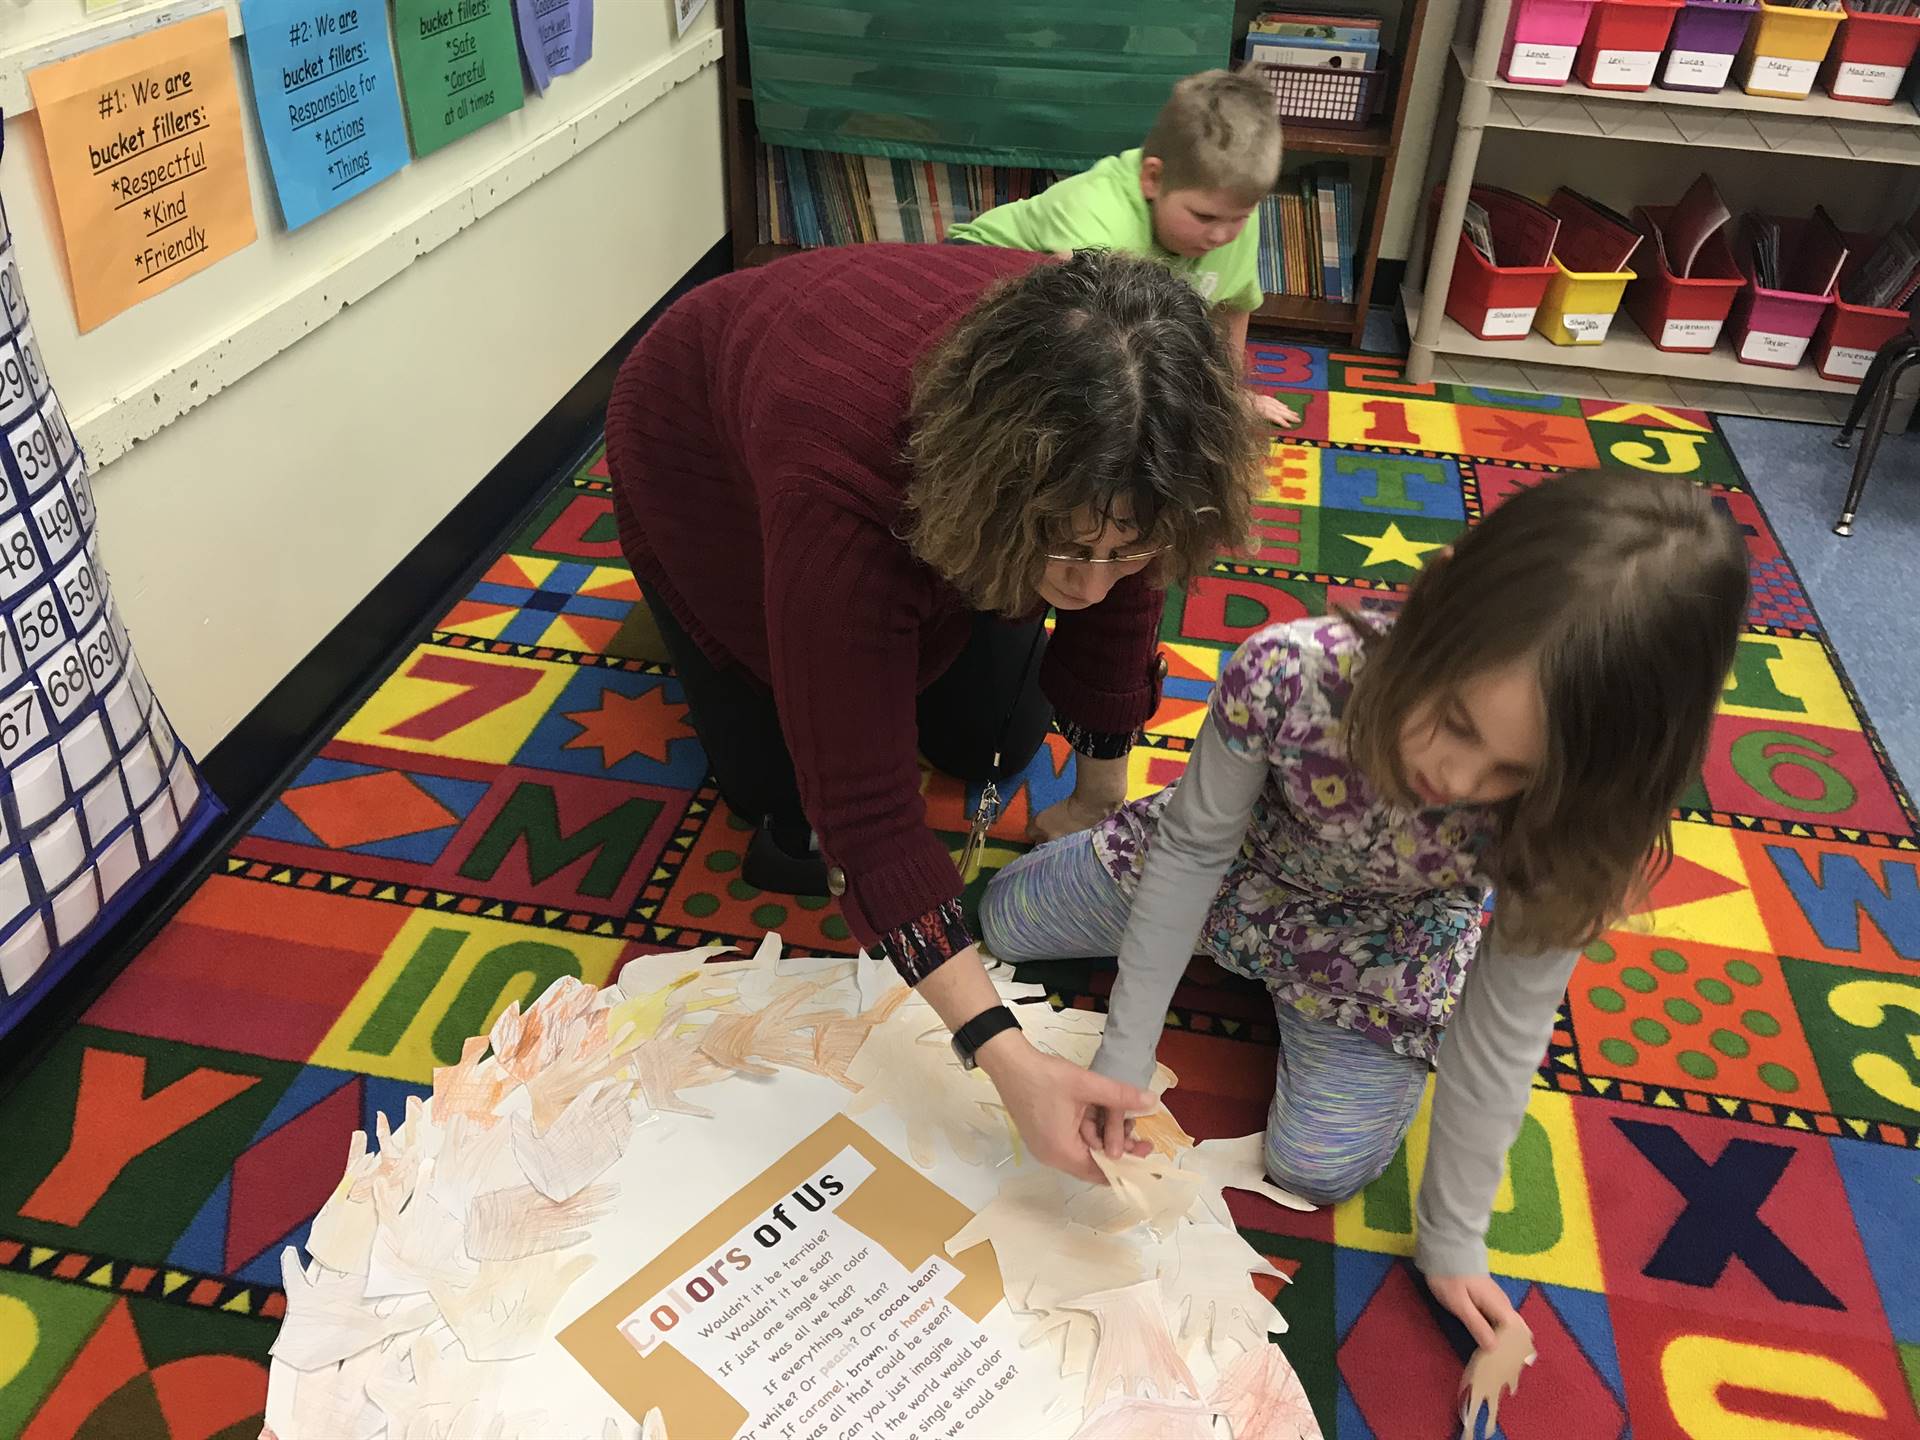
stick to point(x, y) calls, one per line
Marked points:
point(1306, 237)
point(1287, 37)
point(819, 197)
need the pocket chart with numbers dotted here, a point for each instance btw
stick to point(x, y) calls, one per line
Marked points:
point(96, 791)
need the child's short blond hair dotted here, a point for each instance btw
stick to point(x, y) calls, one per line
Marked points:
point(1217, 131)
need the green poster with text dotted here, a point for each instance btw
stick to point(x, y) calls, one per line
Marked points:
point(459, 67)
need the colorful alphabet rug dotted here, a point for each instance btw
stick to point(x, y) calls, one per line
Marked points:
point(1710, 1217)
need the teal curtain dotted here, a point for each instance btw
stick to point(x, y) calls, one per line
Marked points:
point(1048, 83)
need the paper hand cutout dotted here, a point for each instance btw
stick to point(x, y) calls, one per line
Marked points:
point(329, 1318)
point(908, 1065)
point(1236, 1165)
point(513, 1224)
point(1209, 1289)
point(1136, 1349)
point(666, 1063)
point(580, 1146)
point(1151, 1189)
point(1493, 1372)
point(503, 1315)
point(1263, 1399)
point(341, 1236)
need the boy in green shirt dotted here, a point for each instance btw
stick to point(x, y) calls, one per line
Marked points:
point(1188, 197)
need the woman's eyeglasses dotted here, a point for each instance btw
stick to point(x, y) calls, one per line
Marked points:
point(1137, 557)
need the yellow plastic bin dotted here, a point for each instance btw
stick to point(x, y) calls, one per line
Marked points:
point(1784, 49)
point(1580, 305)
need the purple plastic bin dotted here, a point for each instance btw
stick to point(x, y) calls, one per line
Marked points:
point(1542, 39)
point(1707, 34)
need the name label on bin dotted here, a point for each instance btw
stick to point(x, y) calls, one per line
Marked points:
point(1777, 73)
point(1625, 67)
point(1853, 81)
point(1690, 334)
point(1552, 63)
point(1508, 324)
point(1762, 347)
point(1847, 363)
point(1587, 329)
point(1706, 69)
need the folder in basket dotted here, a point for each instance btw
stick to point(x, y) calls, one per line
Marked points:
point(1593, 239)
point(1690, 224)
point(1523, 232)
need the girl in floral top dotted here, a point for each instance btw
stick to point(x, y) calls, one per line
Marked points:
point(1527, 723)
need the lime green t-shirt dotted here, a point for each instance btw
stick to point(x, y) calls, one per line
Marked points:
point(1103, 209)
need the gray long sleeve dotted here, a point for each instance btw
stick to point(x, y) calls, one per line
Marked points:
point(1494, 1043)
point(1201, 831)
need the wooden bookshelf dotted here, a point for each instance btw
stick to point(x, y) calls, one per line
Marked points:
point(1377, 142)
point(1309, 312)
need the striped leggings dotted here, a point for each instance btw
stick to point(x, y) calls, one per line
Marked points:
point(1341, 1103)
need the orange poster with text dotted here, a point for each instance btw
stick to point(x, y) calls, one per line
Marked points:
point(144, 143)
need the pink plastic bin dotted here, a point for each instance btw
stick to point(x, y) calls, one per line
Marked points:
point(1775, 327)
point(1543, 36)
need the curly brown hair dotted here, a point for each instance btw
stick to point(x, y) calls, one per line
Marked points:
point(1628, 591)
point(1097, 388)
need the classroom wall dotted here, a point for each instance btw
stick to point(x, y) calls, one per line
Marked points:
point(239, 534)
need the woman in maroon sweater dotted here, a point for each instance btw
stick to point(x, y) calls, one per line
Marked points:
point(852, 483)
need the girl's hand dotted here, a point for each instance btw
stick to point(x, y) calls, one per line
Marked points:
point(1105, 1128)
point(1051, 1101)
point(1476, 1301)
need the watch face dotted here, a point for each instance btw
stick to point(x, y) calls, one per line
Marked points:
point(962, 1054)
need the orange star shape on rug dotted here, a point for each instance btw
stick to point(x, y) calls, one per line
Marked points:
point(627, 725)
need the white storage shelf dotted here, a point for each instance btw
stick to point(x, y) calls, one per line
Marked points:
point(1627, 366)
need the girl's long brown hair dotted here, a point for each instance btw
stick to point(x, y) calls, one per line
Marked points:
point(1092, 388)
point(1628, 590)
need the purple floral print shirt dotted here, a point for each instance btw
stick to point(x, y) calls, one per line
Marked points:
point(1349, 907)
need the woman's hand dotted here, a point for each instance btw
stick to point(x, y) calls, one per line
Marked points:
point(1069, 817)
point(1053, 1101)
point(1476, 1301)
point(1099, 789)
point(1105, 1128)
point(1272, 411)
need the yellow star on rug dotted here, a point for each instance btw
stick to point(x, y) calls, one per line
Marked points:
point(1394, 547)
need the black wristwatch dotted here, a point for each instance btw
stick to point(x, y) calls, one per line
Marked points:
point(968, 1039)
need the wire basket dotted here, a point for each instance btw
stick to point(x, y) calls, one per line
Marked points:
point(1323, 95)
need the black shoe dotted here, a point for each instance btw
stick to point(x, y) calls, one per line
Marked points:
point(770, 867)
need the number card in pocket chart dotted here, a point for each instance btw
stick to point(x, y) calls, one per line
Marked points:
point(323, 87)
point(459, 67)
point(96, 792)
point(149, 168)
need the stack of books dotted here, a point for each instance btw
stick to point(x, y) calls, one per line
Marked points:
point(1335, 42)
point(816, 197)
point(1306, 236)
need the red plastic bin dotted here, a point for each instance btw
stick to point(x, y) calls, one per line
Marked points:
point(1774, 328)
point(1870, 56)
point(1623, 43)
point(1843, 346)
point(1498, 302)
point(1683, 315)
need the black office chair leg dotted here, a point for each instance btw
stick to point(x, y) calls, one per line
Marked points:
point(1870, 385)
point(1881, 406)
